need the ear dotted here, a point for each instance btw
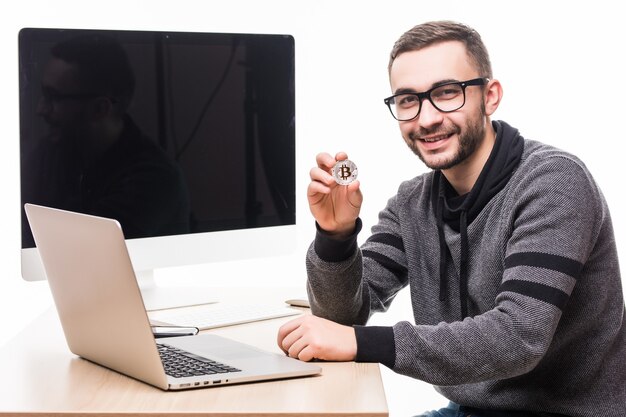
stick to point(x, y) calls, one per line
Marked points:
point(493, 95)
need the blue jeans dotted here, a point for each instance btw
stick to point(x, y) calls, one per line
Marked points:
point(455, 410)
point(452, 410)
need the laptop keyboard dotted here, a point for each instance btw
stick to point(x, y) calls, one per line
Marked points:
point(211, 316)
point(180, 364)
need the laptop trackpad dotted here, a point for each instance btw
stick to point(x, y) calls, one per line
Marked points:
point(213, 346)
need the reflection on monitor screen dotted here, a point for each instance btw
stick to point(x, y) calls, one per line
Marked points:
point(187, 139)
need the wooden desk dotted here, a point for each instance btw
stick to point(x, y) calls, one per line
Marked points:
point(40, 376)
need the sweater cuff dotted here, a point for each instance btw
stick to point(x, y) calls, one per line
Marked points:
point(331, 249)
point(375, 344)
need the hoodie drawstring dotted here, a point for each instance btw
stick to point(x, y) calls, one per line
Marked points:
point(463, 264)
point(443, 250)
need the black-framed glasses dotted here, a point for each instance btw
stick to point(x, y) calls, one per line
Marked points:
point(446, 98)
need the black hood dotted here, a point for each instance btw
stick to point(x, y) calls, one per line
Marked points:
point(459, 211)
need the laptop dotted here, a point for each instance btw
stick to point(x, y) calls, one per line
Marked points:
point(104, 320)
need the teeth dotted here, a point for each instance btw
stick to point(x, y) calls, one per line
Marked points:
point(433, 139)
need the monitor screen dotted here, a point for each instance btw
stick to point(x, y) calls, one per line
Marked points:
point(187, 139)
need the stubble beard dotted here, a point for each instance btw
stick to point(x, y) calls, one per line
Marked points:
point(470, 139)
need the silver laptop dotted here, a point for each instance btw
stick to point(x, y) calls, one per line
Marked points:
point(104, 319)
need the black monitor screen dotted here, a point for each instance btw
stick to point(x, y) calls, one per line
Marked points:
point(167, 132)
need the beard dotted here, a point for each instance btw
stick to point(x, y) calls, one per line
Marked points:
point(470, 138)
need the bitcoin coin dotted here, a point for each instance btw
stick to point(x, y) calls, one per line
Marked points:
point(345, 172)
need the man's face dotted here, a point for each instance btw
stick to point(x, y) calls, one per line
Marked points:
point(63, 103)
point(440, 140)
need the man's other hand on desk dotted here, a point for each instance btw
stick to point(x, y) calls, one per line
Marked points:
point(309, 337)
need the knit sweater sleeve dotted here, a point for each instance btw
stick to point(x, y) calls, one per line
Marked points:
point(348, 284)
point(556, 215)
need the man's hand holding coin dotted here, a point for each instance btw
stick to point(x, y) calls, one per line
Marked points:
point(334, 193)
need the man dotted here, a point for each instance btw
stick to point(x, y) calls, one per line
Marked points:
point(506, 245)
point(94, 159)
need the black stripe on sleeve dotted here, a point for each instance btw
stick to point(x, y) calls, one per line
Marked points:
point(537, 291)
point(387, 263)
point(545, 260)
point(388, 239)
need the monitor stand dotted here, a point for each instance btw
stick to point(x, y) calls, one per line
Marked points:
point(157, 297)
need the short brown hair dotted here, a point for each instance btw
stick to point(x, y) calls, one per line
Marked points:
point(430, 33)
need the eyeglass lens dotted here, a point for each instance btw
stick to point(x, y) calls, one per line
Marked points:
point(445, 98)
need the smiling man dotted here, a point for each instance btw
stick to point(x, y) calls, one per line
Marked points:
point(506, 246)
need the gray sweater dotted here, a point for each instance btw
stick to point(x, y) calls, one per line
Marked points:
point(545, 330)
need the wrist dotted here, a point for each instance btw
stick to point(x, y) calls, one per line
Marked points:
point(342, 232)
point(351, 344)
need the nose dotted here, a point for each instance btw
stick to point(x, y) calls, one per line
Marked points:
point(429, 116)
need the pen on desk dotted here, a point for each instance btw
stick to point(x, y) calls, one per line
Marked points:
point(173, 331)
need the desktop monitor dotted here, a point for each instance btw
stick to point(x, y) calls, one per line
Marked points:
point(187, 139)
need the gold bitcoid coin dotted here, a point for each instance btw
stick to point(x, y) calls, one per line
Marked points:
point(345, 172)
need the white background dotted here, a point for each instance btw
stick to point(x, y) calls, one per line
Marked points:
point(561, 65)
